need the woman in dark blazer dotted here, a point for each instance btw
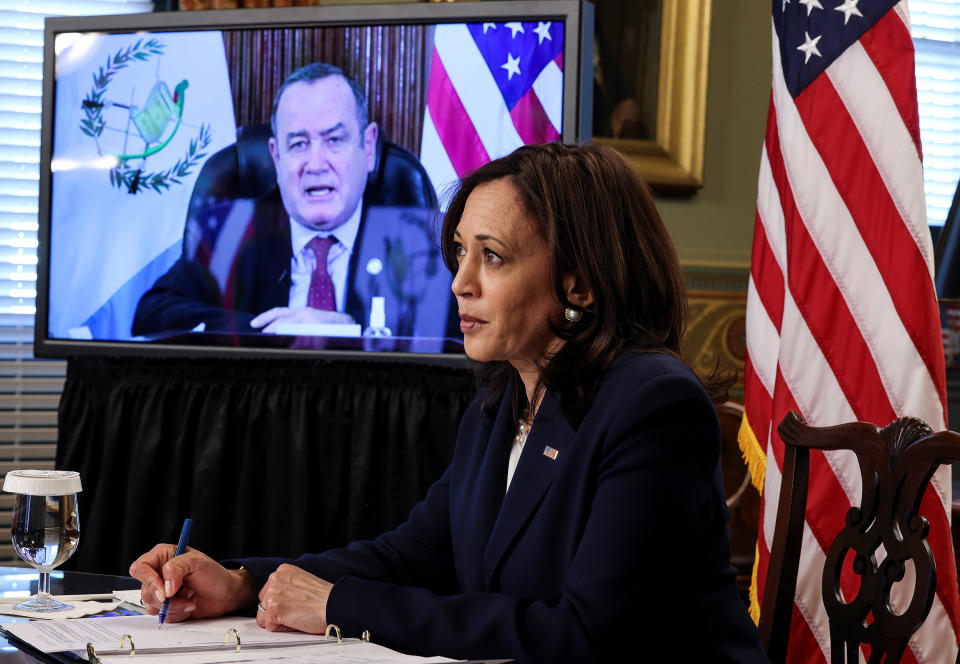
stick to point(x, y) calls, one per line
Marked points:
point(582, 517)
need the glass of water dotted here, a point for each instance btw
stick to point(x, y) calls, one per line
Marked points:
point(45, 526)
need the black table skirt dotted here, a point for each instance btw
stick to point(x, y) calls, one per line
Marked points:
point(269, 457)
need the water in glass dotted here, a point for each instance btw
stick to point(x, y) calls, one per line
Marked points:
point(45, 532)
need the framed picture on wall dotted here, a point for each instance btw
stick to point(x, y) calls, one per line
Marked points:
point(650, 87)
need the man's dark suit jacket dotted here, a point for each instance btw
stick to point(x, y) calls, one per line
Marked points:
point(411, 267)
point(617, 549)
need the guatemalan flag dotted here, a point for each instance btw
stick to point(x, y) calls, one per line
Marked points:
point(139, 229)
point(493, 87)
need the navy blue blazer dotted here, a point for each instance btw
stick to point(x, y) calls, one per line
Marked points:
point(615, 548)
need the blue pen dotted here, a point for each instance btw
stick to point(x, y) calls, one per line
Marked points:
point(181, 547)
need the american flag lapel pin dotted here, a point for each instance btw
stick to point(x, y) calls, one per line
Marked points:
point(550, 453)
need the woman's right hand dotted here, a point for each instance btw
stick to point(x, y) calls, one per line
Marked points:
point(199, 587)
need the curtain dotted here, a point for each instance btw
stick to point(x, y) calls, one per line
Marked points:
point(389, 62)
point(275, 457)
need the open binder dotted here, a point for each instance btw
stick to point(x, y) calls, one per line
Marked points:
point(138, 640)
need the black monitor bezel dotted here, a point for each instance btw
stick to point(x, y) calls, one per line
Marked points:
point(578, 18)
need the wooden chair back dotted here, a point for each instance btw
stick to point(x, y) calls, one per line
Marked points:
point(896, 464)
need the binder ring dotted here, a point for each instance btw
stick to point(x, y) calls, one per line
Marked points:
point(230, 631)
point(92, 655)
point(336, 629)
point(124, 639)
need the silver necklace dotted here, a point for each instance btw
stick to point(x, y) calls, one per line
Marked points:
point(523, 430)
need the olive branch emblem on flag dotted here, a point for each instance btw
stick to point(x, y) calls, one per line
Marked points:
point(155, 123)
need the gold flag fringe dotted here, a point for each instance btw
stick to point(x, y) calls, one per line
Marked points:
point(753, 454)
point(756, 460)
point(754, 600)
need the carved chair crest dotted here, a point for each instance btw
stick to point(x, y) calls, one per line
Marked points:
point(896, 464)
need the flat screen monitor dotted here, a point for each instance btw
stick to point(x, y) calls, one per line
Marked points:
point(184, 210)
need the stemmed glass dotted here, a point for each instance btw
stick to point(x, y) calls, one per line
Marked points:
point(45, 526)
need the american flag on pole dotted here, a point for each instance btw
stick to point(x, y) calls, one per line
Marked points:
point(842, 319)
point(493, 87)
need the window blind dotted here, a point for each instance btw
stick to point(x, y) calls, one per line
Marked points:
point(935, 27)
point(29, 388)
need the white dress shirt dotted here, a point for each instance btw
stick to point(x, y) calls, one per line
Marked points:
point(338, 260)
point(514, 459)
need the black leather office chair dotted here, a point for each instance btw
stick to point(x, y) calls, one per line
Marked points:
point(245, 170)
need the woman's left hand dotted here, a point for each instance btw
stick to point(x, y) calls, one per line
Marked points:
point(292, 599)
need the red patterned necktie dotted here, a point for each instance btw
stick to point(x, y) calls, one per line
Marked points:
point(321, 294)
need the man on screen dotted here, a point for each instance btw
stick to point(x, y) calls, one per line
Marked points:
point(299, 264)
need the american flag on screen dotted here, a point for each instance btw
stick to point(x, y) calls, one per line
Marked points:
point(493, 87)
point(842, 319)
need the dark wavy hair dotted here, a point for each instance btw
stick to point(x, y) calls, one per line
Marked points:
point(600, 221)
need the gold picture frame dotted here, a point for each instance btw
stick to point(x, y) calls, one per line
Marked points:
point(672, 162)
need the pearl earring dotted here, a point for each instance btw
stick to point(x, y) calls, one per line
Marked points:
point(573, 315)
